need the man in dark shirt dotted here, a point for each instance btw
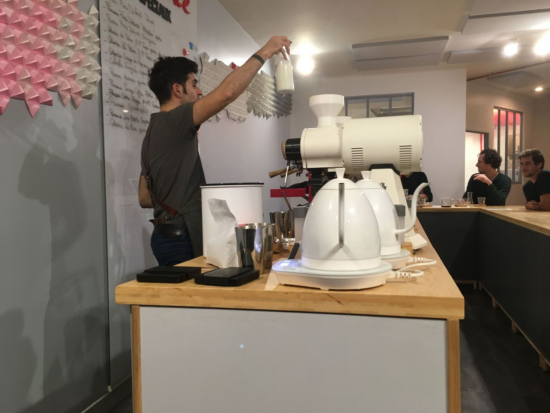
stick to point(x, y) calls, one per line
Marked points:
point(413, 180)
point(537, 188)
point(489, 182)
point(171, 166)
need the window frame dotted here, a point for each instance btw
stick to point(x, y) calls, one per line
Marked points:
point(521, 141)
point(390, 96)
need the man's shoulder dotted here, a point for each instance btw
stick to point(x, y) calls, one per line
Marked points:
point(504, 178)
point(545, 175)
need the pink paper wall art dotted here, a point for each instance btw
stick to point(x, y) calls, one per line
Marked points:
point(47, 46)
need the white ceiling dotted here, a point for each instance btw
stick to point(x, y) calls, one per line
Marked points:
point(328, 29)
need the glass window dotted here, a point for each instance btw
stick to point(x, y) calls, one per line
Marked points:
point(402, 105)
point(380, 105)
point(357, 108)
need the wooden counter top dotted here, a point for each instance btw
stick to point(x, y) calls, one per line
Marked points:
point(538, 221)
point(434, 295)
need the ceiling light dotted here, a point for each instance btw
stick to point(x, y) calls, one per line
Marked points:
point(511, 49)
point(303, 48)
point(305, 65)
point(542, 47)
point(125, 110)
point(539, 89)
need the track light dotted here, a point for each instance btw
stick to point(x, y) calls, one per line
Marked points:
point(542, 48)
point(511, 49)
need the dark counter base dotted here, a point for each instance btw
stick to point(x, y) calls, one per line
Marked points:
point(454, 237)
point(512, 263)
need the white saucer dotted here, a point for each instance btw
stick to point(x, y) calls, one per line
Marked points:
point(291, 272)
point(398, 260)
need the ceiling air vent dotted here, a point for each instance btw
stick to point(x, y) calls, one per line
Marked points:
point(357, 158)
point(405, 157)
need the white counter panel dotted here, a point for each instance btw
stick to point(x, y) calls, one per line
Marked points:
point(209, 360)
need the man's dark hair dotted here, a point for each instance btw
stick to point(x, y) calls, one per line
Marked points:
point(491, 157)
point(168, 71)
point(535, 154)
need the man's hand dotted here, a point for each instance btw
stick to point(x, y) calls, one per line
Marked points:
point(483, 178)
point(532, 205)
point(275, 45)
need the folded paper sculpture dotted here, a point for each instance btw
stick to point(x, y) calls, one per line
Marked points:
point(47, 46)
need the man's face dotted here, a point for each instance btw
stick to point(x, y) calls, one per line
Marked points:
point(191, 93)
point(483, 167)
point(528, 167)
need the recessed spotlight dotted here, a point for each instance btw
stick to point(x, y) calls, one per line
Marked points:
point(539, 89)
point(542, 48)
point(305, 65)
point(125, 110)
point(511, 49)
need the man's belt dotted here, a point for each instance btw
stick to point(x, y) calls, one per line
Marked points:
point(171, 230)
point(185, 210)
point(157, 222)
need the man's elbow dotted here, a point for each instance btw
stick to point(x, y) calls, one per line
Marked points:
point(145, 202)
point(229, 95)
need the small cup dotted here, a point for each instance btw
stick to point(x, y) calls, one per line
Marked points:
point(447, 202)
point(255, 246)
point(421, 202)
point(481, 200)
point(469, 198)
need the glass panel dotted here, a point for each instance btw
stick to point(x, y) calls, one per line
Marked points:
point(502, 142)
point(379, 107)
point(518, 147)
point(357, 108)
point(401, 105)
point(510, 146)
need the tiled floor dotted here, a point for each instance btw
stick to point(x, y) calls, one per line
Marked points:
point(499, 369)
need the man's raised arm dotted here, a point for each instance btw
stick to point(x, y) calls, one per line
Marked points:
point(237, 82)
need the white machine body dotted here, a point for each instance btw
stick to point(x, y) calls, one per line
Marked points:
point(357, 144)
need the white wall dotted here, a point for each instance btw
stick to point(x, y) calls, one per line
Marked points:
point(53, 301)
point(233, 151)
point(541, 128)
point(439, 96)
point(472, 149)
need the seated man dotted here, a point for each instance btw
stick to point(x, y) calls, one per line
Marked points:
point(413, 180)
point(489, 182)
point(537, 188)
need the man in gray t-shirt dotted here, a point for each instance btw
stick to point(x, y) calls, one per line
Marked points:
point(171, 166)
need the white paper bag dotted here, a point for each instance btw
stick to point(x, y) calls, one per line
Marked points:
point(221, 249)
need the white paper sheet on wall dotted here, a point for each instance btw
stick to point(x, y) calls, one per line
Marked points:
point(133, 34)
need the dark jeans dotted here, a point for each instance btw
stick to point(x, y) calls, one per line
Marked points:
point(170, 250)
